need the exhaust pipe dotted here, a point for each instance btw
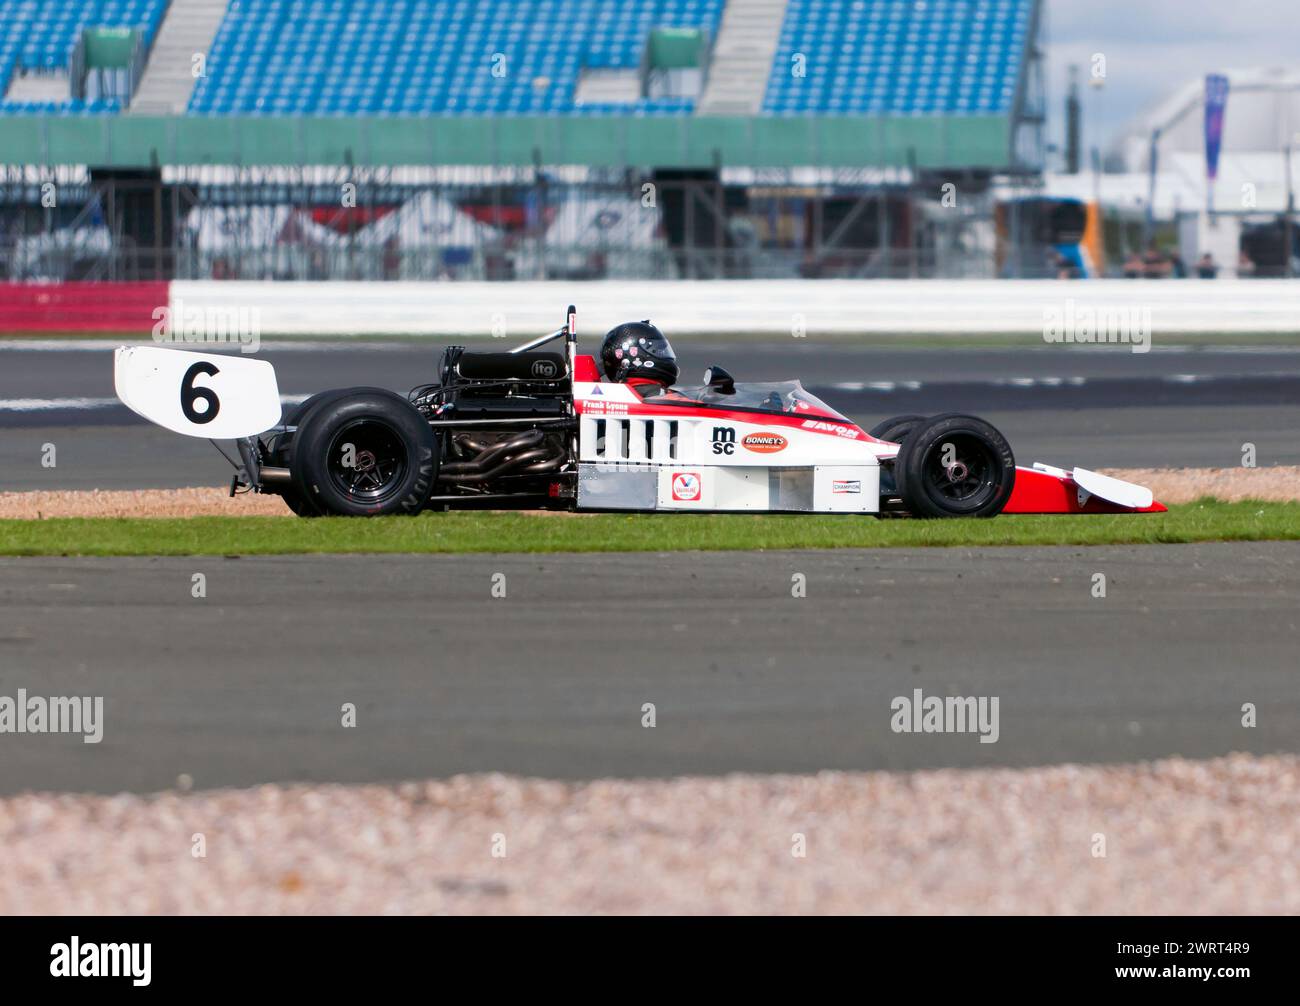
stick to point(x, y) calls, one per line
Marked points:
point(525, 452)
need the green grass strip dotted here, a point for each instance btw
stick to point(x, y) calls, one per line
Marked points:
point(1206, 520)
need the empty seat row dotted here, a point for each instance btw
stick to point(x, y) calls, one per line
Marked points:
point(40, 36)
point(898, 57)
point(436, 57)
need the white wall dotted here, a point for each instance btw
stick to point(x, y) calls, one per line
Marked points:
point(520, 310)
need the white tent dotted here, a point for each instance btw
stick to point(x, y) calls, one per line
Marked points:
point(1262, 115)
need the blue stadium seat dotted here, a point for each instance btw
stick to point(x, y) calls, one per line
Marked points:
point(899, 57)
point(437, 57)
point(429, 57)
point(36, 36)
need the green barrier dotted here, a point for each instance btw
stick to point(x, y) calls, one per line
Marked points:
point(668, 142)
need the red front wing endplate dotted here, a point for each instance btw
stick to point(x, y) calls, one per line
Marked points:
point(1041, 492)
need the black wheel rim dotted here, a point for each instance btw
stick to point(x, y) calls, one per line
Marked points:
point(960, 472)
point(378, 462)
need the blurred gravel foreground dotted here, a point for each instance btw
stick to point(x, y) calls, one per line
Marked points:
point(1174, 836)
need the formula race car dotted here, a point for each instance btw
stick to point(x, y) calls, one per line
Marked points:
point(540, 428)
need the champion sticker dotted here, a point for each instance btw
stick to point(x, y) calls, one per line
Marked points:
point(846, 486)
point(686, 487)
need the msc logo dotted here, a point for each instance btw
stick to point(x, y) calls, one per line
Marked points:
point(545, 369)
point(724, 440)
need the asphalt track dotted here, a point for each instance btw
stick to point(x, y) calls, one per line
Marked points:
point(246, 685)
point(1093, 406)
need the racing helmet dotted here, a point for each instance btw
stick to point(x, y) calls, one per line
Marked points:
point(638, 349)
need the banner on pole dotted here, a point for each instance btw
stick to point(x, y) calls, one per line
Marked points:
point(1216, 101)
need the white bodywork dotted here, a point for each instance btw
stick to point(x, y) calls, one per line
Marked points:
point(1106, 487)
point(1113, 490)
point(641, 455)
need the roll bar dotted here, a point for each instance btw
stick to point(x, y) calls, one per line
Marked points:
point(569, 333)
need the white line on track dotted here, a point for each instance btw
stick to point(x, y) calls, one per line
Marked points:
point(80, 345)
point(53, 404)
point(45, 404)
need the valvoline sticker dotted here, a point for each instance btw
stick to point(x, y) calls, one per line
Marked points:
point(686, 487)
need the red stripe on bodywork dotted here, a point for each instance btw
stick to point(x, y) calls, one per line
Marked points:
point(1040, 492)
point(727, 415)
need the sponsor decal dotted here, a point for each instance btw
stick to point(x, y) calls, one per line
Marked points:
point(595, 390)
point(601, 408)
point(724, 440)
point(824, 427)
point(545, 369)
point(686, 487)
point(764, 442)
point(846, 486)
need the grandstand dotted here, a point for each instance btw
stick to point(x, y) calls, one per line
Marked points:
point(942, 57)
point(370, 57)
point(44, 40)
point(782, 136)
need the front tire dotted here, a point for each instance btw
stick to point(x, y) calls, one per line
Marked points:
point(955, 466)
point(896, 429)
point(368, 453)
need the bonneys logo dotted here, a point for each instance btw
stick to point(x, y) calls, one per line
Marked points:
point(764, 443)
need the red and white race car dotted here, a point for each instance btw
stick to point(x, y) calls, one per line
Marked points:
point(536, 428)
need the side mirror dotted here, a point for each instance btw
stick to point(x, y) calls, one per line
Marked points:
point(720, 381)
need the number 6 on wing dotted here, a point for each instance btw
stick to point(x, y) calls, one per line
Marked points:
point(198, 394)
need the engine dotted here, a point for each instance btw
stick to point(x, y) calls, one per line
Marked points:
point(505, 422)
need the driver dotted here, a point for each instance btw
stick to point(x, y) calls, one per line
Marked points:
point(637, 354)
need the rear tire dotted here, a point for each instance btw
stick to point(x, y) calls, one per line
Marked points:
point(955, 466)
point(364, 453)
point(282, 447)
point(894, 430)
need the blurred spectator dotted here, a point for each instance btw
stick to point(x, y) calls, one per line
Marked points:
point(1245, 267)
point(1065, 269)
point(1133, 266)
point(1155, 263)
point(1206, 267)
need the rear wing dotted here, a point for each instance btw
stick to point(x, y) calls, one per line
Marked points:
point(215, 397)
